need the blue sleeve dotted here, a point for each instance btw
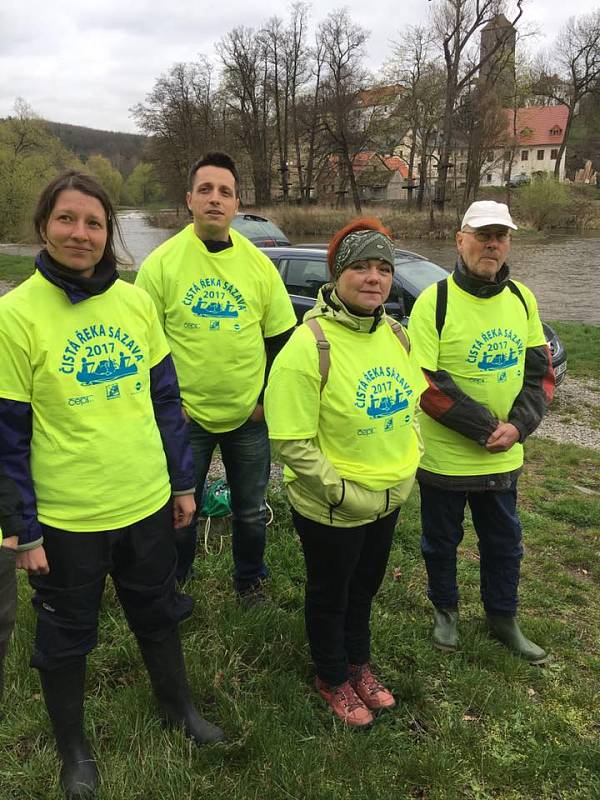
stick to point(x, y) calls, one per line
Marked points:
point(164, 391)
point(15, 445)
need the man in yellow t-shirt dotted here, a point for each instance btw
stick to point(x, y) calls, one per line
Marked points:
point(479, 340)
point(226, 314)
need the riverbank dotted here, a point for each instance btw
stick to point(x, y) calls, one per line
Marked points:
point(319, 222)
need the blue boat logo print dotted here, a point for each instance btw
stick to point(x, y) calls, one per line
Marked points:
point(386, 406)
point(214, 309)
point(107, 369)
point(499, 361)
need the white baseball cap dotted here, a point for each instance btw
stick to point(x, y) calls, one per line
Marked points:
point(487, 212)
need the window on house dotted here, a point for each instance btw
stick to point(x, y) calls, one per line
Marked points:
point(540, 155)
point(555, 131)
point(489, 156)
point(506, 155)
point(488, 177)
point(524, 155)
point(554, 154)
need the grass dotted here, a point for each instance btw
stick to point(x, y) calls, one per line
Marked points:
point(475, 725)
point(583, 348)
point(16, 269)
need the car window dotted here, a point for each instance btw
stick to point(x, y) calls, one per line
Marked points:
point(303, 276)
point(257, 229)
point(418, 274)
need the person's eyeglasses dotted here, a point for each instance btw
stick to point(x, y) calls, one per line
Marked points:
point(487, 236)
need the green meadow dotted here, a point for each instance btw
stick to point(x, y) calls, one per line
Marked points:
point(478, 724)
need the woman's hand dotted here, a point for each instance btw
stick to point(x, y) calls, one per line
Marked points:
point(34, 562)
point(184, 506)
point(11, 542)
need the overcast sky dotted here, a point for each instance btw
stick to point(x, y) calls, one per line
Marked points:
point(87, 63)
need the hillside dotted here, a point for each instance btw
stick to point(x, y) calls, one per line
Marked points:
point(124, 150)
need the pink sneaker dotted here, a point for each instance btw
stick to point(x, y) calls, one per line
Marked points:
point(373, 693)
point(345, 703)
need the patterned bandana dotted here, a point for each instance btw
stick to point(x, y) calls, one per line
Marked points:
point(361, 246)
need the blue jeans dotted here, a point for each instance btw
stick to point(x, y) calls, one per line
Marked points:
point(247, 459)
point(499, 540)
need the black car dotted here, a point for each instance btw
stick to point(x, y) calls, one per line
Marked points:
point(260, 230)
point(304, 271)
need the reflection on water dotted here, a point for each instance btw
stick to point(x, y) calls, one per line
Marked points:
point(560, 270)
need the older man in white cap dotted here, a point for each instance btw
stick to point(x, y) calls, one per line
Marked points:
point(478, 338)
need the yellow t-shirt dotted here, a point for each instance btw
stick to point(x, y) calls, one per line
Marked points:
point(482, 347)
point(363, 419)
point(97, 459)
point(216, 310)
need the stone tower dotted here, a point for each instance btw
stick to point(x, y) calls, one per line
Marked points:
point(498, 71)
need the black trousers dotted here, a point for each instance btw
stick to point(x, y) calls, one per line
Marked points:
point(141, 560)
point(344, 570)
point(8, 604)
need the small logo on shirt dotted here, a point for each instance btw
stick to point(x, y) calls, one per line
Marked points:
point(112, 392)
point(82, 400)
point(365, 431)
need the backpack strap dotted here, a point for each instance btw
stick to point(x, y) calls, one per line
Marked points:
point(323, 347)
point(517, 292)
point(441, 304)
point(399, 332)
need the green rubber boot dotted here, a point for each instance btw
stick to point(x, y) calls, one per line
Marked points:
point(507, 631)
point(445, 629)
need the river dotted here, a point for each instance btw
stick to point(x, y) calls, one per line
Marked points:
point(560, 269)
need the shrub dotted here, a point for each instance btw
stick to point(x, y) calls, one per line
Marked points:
point(543, 202)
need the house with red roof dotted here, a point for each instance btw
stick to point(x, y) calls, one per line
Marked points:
point(529, 145)
point(379, 178)
point(535, 135)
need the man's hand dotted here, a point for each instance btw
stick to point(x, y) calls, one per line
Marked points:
point(185, 415)
point(503, 438)
point(34, 561)
point(184, 506)
point(258, 415)
point(11, 542)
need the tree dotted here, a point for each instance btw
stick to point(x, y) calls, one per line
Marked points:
point(571, 69)
point(109, 177)
point(181, 115)
point(245, 59)
point(29, 158)
point(289, 71)
point(346, 133)
point(458, 24)
point(142, 186)
point(416, 69)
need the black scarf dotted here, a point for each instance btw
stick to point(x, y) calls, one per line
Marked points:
point(480, 287)
point(73, 283)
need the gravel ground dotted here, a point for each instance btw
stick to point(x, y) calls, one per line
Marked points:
point(5, 286)
point(571, 417)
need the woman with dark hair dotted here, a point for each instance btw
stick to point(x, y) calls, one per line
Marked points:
point(91, 432)
point(340, 408)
